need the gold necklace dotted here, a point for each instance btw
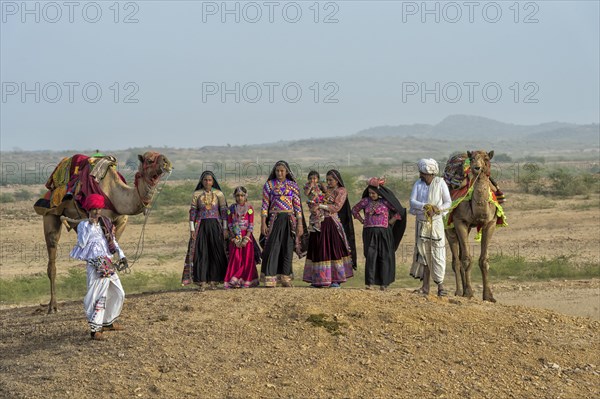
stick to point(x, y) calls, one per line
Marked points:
point(207, 199)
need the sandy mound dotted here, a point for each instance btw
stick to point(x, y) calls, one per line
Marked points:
point(301, 343)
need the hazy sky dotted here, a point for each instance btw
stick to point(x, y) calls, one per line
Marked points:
point(188, 74)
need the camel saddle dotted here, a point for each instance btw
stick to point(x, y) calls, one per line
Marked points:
point(73, 179)
point(456, 176)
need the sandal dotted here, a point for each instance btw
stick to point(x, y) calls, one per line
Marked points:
point(420, 291)
point(113, 327)
point(97, 336)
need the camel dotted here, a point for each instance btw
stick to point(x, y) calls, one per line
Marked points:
point(126, 200)
point(478, 211)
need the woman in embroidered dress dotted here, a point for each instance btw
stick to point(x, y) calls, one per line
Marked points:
point(241, 269)
point(314, 190)
point(96, 244)
point(384, 225)
point(329, 260)
point(206, 261)
point(282, 225)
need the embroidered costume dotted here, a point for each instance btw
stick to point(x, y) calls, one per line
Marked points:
point(380, 238)
point(243, 250)
point(328, 260)
point(96, 245)
point(282, 211)
point(206, 261)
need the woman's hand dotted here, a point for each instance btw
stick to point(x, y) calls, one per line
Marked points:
point(264, 228)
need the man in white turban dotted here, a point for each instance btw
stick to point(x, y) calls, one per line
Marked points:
point(429, 201)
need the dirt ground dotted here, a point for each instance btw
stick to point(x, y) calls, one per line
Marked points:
point(540, 340)
point(539, 228)
point(302, 343)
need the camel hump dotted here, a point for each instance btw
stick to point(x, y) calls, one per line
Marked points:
point(100, 165)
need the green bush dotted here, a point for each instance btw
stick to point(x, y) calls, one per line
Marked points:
point(564, 183)
point(6, 198)
point(530, 178)
point(23, 195)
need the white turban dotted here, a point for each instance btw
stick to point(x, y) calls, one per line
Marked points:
point(428, 166)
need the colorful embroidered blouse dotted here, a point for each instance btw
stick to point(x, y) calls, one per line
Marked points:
point(376, 212)
point(240, 219)
point(281, 197)
point(334, 199)
point(208, 205)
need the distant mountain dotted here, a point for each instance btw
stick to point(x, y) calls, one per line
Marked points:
point(400, 130)
point(469, 127)
point(392, 145)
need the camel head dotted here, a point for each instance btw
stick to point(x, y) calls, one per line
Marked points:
point(480, 162)
point(153, 166)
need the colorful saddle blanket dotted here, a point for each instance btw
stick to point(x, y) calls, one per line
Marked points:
point(76, 177)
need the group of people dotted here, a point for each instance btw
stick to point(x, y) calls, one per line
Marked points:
point(222, 247)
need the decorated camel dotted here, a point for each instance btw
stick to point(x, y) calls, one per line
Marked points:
point(474, 205)
point(121, 198)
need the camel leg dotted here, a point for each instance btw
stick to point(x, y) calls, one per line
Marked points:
point(484, 264)
point(462, 234)
point(52, 230)
point(456, 266)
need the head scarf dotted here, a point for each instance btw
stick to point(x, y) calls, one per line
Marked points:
point(94, 201)
point(208, 173)
point(337, 176)
point(289, 175)
point(428, 166)
point(376, 182)
point(399, 227)
point(240, 189)
point(345, 215)
point(301, 250)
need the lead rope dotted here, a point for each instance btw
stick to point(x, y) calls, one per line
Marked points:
point(126, 268)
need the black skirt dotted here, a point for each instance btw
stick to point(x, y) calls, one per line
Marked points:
point(279, 248)
point(380, 257)
point(210, 261)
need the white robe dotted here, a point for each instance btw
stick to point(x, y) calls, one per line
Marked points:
point(430, 242)
point(105, 295)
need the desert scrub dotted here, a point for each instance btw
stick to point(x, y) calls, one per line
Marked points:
point(320, 320)
point(72, 286)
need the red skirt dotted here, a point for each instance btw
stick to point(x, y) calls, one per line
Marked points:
point(241, 268)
